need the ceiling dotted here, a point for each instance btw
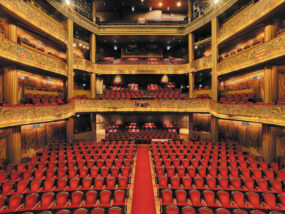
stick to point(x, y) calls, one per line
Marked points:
point(142, 5)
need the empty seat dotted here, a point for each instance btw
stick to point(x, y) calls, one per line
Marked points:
point(171, 210)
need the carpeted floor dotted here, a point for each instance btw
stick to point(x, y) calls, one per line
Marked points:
point(143, 197)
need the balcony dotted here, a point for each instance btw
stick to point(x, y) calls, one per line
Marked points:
point(36, 18)
point(13, 116)
point(267, 51)
point(247, 18)
point(201, 64)
point(23, 55)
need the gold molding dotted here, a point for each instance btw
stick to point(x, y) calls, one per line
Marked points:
point(13, 116)
point(247, 17)
point(201, 64)
point(84, 65)
point(272, 49)
point(14, 52)
point(33, 16)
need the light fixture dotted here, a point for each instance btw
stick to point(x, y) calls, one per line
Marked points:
point(67, 2)
point(160, 4)
point(115, 47)
point(196, 46)
point(80, 44)
point(84, 46)
point(74, 44)
point(216, 1)
point(168, 8)
point(150, 8)
point(168, 47)
point(133, 9)
point(179, 4)
point(83, 84)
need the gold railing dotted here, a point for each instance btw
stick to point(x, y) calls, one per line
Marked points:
point(142, 69)
point(141, 29)
point(14, 52)
point(201, 64)
point(247, 17)
point(267, 51)
point(12, 116)
point(36, 18)
point(84, 65)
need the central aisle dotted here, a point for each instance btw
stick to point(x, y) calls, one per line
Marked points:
point(143, 197)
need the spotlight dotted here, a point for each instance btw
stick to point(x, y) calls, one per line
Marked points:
point(67, 2)
point(216, 1)
point(179, 4)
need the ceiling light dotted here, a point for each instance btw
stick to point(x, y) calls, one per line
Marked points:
point(160, 4)
point(80, 44)
point(74, 44)
point(168, 47)
point(179, 3)
point(67, 2)
point(216, 1)
point(133, 8)
point(115, 47)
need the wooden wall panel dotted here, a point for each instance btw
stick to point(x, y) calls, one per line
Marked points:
point(247, 134)
point(281, 85)
point(2, 148)
point(35, 137)
point(202, 122)
point(280, 147)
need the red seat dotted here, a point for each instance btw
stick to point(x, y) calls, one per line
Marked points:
point(91, 197)
point(86, 184)
point(171, 210)
point(30, 202)
point(105, 199)
point(188, 210)
point(181, 198)
point(99, 182)
point(98, 211)
point(222, 211)
point(80, 211)
point(119, 198)
point(115, 210)
point(195, 197)
point(166, 198)
point(205, 210)
point(209, 197)
point(224, 198)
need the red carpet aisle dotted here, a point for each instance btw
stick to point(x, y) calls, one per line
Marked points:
point(143, 197)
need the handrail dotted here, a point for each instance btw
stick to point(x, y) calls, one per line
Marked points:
point(15, 116)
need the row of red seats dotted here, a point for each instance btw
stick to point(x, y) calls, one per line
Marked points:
point(62, 200)
point(221, 183)
point(207, 210)
point(84, 183)
point(224, 199)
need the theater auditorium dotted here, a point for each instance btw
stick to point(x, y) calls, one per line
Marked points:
point(142, 106)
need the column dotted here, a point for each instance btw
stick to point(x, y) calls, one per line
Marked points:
point(191, 128)
point(214, 129)
point(93, 125)
point(189, 12)
point(93, 85)
point(12, 32)
point(93, 48)
point(94, 10)
point(191, 59)
point(270, 73)
point(10, 85)
point(270, 84)
point(215, 53)
point(70, 130)
point(270, 32)
point(191, 85)
point(70, 59)
point(268, 143)
point(14, 145)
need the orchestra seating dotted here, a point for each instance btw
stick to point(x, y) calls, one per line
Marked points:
point(211, 177)
point(79, 178)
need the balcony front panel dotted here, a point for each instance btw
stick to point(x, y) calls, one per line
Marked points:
point(247, 17)
point(36, 18)
point(13, 116)
point(142, 69)
point(84, 65)
point(201, 64)
point(14, 52)
point(270, 50)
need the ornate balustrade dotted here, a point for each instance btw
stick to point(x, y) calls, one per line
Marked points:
point(247, 17)
point(272, 49)
point(36, 18)
point(84, 65)
point(14, 52)
point(201, 64)
point(13, 116)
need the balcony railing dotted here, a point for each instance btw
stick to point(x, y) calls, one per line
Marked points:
point(13, 116)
